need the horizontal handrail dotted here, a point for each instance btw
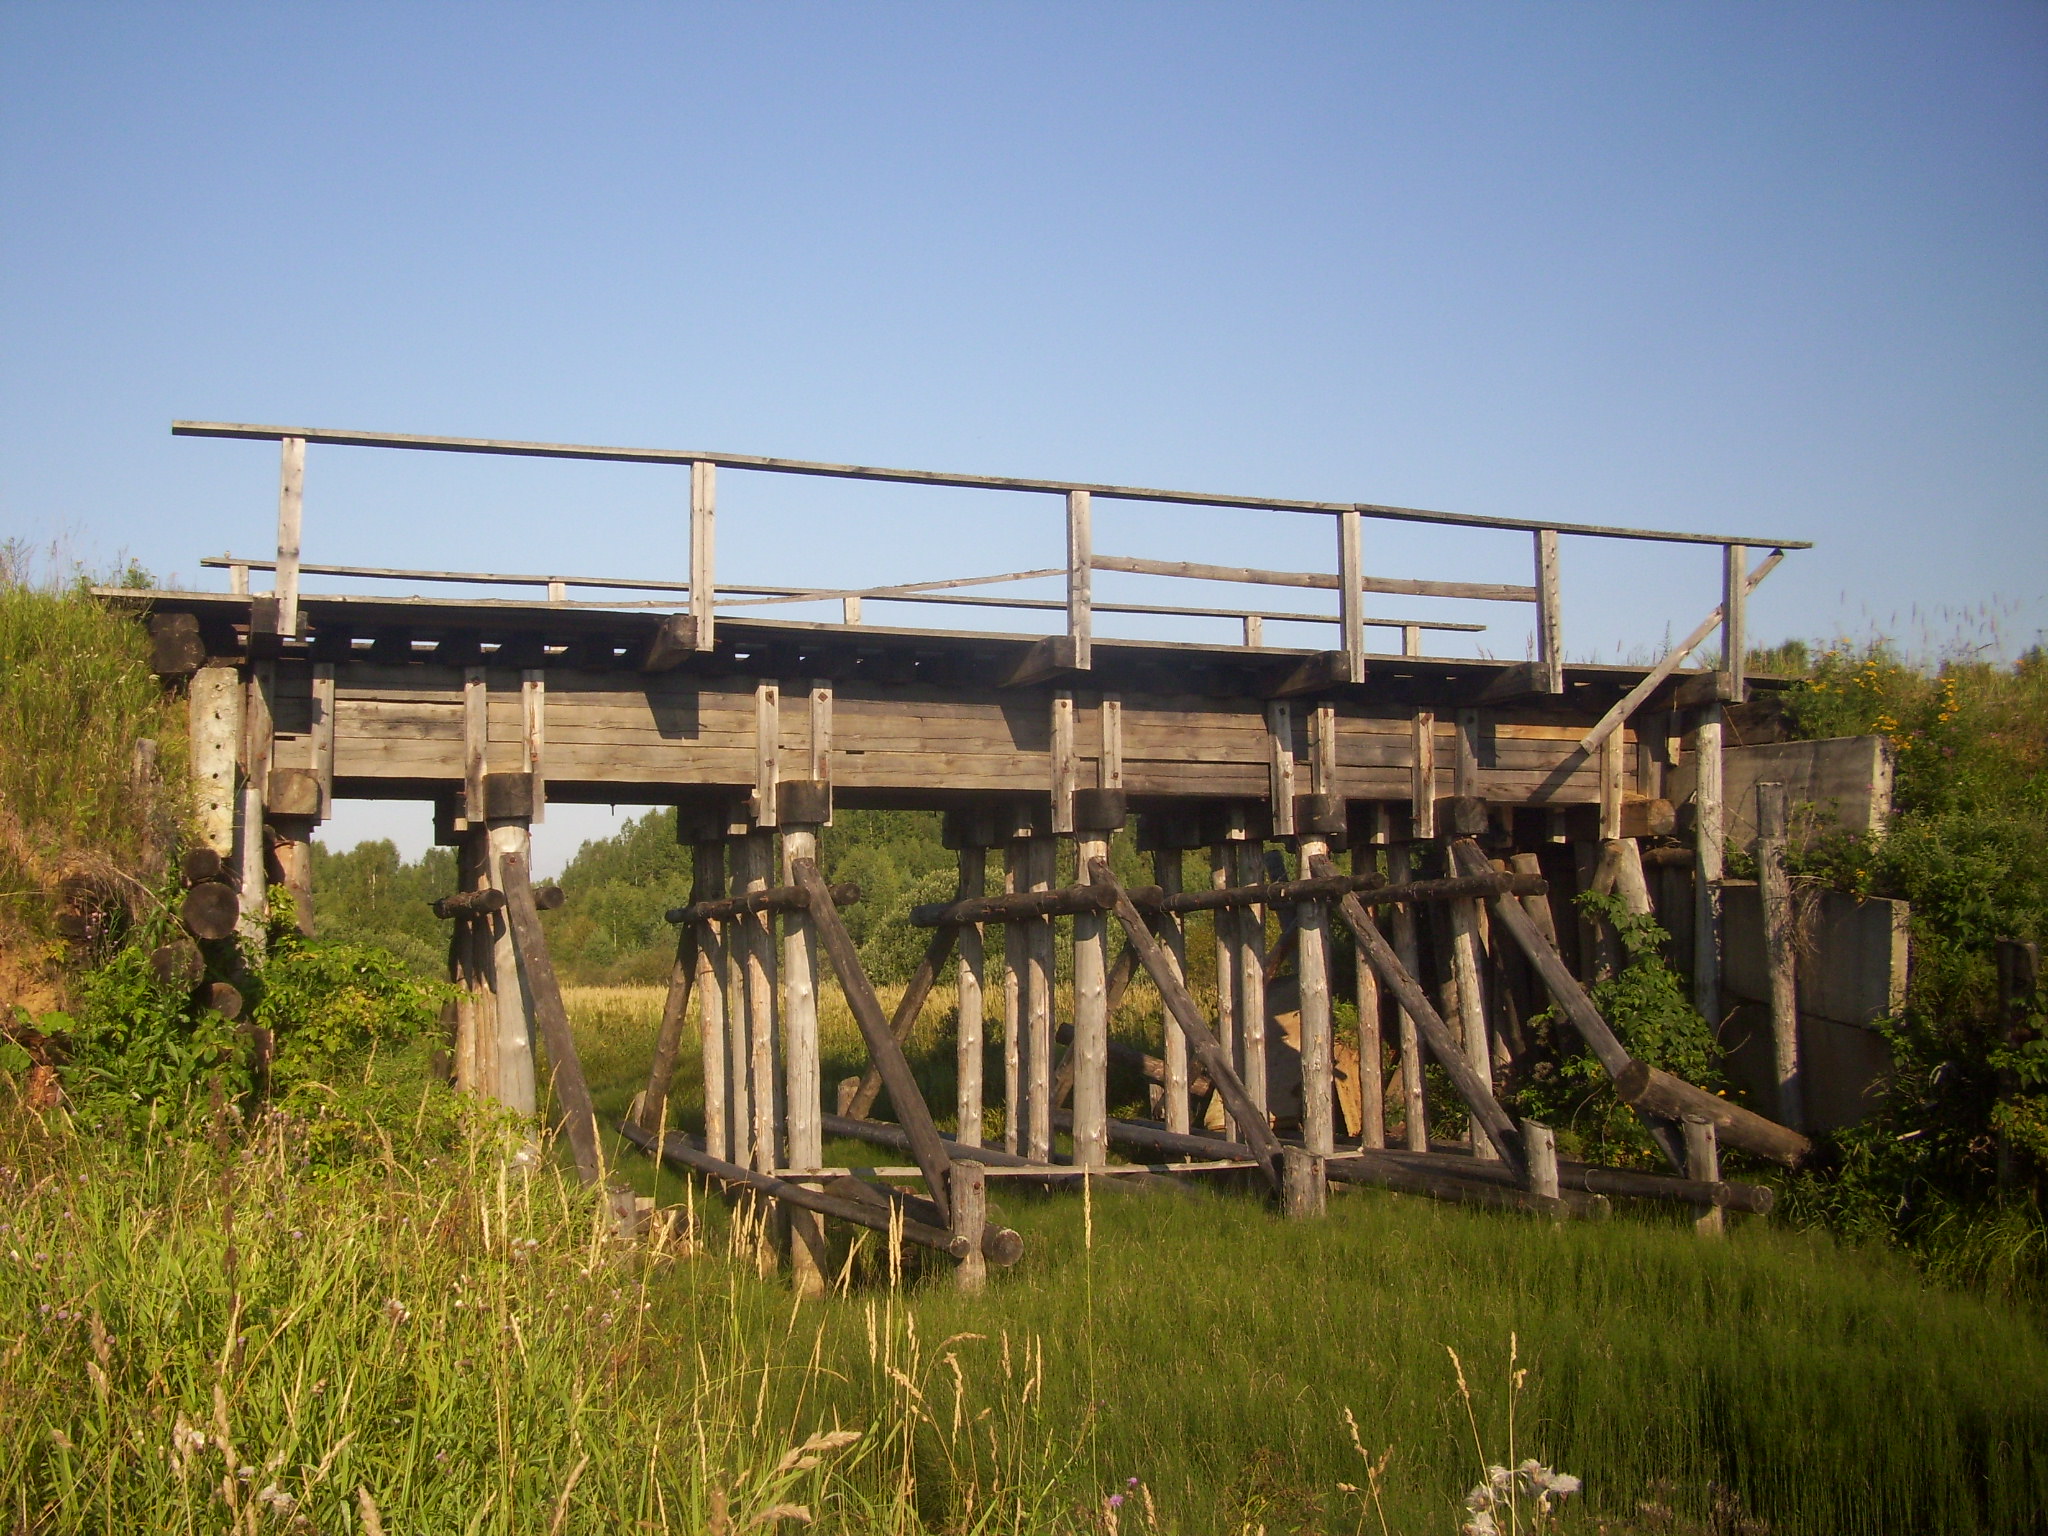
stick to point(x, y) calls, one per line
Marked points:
point(735, 596)
point(515, 448)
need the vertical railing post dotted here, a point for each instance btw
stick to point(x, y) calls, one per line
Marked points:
point(1351, 592)
point(703, 539)
point(1549, 615)
point(291, 496)
point(1734, 622)
point(1080, 578)
point(1706, 870)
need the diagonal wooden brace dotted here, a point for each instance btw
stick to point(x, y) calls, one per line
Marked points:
point(668, 1040)
point(926, 1149)
point(1564, 988)
point(1251, 1120)
point(572, 1094)
point(1472, 1088)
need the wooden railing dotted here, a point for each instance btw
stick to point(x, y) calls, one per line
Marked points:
point(1348, 580)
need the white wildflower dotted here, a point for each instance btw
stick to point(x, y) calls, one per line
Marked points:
point(276, 1498)
point(1481, 1524)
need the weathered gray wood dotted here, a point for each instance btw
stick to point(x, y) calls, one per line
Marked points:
point(1080, 582)
point(1166, 873)
point(214, 727)
point(1703, 1164)
point(802, 1083)
point(1065, 766)
point(882, 1047)
point(1673, 660)
point(321, 723)
point(1549, 613)
point(1038, 954)
point(1656, 1092)
point(1224, 932)
point(1312, 967)
point(1304, 1189)
point(703, 547)
point(1774, 886)
point(476, 737)
point(1250, 576)
point(1415, 1109)
point(1422, 775)
point(210, 911)
point(1735, 623)
point(257, 738)
point(1466, 973)
point(969, 982)
point(1571, 997)
point(533, 735)
point(572, 1095)
point(774, 898)
point(520, 449)
point(1707, 850)
point(1280, 767)
point(1016, 880)
point(1472, 1086)
point(1091, 1020)
point(1251, 979)
point(1350, 591)
point(753, 859)
point(469, 904)
point(1372, 1129)
point(878, 1218)
point(1612, 786)
point(1540, 1142)
point(996, 1245)
point(291, 494)
point(1181, 1008)
point(767, 752)
point(969, 1223)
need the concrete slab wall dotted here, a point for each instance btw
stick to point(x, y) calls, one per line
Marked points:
point(1851, 954)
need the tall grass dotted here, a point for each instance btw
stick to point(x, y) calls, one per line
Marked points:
point(76, 695)
point(1209, 1349)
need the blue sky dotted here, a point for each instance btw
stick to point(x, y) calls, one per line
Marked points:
point(1766, 269)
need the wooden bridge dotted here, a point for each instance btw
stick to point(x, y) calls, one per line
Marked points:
point(1461, 789)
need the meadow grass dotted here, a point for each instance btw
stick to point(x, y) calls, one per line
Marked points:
point(207, 1334)
point(1211, 1350)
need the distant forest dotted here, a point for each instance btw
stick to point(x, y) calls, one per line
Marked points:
point(611, 929)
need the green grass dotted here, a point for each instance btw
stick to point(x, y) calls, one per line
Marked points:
point(76, 695)
point(1829, 1388)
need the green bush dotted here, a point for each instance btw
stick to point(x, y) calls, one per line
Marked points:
point(1647, 1004)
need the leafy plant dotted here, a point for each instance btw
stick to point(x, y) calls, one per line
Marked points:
point(1647, 1004)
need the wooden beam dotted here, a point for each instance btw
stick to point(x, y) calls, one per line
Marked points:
point(1080, 580)
point(908, 1007)
point(1706, 880)
point(1422, 774)
point(291, 496)
point(1181, 1008)
point(1569, 995)
point(1190, 570)
point(1351, 593)
point(882, 1047)
point(1549, 614)
point(703, 542)
point(1472, 1087)
point(533, 734)
point(1774, 889)
point(1673, 660)
point(521, 449)
point(968, 1035)
point(572, 1095)
point(1735, 622)
point(322, 733)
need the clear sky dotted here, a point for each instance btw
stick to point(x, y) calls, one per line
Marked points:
point(1776, 269)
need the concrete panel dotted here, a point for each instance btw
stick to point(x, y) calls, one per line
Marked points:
point(1841, 1067)
point(1848, 779)
point(1851, 954)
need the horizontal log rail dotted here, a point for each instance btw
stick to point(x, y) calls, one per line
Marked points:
point(1371, 889)
point(680, 1152)
point(935, 593)
point(1002, 1246)
point(1650, 1089)
point(1190, 571)
point(523, 449)
point(1374, 1168)
point(777, 898)
point(1619, 1183)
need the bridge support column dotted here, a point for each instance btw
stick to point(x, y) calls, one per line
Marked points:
point(514, 1079)
point(801, 1077)
point(472, 968)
